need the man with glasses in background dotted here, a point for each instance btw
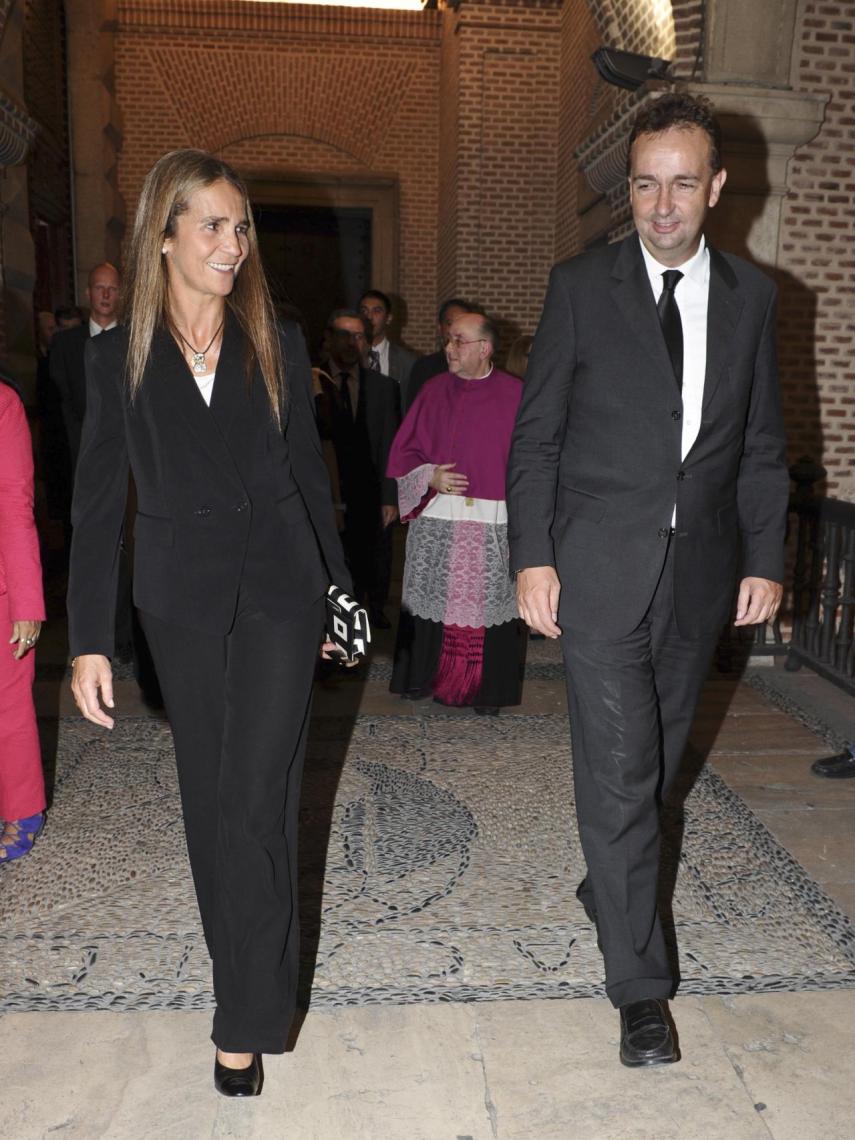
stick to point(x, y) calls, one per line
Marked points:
point(359, 411)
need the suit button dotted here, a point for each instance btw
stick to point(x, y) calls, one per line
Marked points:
point(676, 414)
point(664, 531)
point(681, 475)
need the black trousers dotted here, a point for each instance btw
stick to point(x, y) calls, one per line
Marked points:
point(239, 709)
point(631, 703)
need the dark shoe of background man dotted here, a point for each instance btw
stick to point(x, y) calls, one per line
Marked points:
point(839, 767)
point(646, 1037)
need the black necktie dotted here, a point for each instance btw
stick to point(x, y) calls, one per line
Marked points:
point(344, 388)
point(669, 318)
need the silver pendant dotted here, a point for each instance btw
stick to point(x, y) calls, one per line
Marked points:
point(199, 362)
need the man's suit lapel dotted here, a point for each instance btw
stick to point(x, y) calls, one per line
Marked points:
point(723, 314)
point(173, 383)
point(634, 298)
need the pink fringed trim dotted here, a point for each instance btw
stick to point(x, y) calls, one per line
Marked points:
point(461, 663)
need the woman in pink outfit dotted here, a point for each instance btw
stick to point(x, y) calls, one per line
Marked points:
point(22, 610)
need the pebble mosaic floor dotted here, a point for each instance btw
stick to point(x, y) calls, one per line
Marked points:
point(439, 859)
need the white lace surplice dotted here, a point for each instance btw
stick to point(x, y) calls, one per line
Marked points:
point(457, 569)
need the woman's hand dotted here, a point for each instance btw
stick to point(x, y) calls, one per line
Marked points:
point(25, 634)
point(448, 482)
point(331, 652)
point(92, 673)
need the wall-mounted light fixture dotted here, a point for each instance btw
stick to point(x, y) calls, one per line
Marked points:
point(627, 69)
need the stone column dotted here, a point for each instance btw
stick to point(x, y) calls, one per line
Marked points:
point(96, 135)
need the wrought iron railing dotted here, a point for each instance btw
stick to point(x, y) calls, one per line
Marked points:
point(823, 598)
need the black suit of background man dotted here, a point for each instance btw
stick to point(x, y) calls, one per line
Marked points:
point(360, 416)
point(596, 472)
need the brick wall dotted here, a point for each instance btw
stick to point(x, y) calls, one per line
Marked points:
point(817, 254)
point(287, 89)
point(500, 234)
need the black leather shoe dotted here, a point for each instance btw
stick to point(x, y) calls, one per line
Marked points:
point(645, 1034)
point(238, 1082)
point(486, 710)
point(839, 767)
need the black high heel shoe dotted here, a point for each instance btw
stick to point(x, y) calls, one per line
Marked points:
point(238, 1082)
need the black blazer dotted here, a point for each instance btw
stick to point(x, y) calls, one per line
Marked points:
point(68, 373)
point(595, 467)
point(379, 409)
point(193, 510)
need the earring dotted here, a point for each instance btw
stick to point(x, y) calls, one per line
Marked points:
point(164, 250)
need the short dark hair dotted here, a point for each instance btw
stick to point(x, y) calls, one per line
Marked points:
point(454, 303)
point(67, 313)
point(383, 298)
point(683, 111)
point(489, 329)
point(353, 313)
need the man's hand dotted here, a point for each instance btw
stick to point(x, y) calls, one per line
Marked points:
point(538, 590)
point(448, 482)
point(758, 601)
point(92, 673)
point(388, 515)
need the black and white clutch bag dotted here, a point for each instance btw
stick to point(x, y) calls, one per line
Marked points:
point(347, 624)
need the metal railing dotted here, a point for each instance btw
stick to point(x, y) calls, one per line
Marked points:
point(823, 595)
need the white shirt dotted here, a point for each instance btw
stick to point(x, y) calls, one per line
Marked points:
point(95, 328)
point(692, 296)
point(382, 350)
point(205, 384)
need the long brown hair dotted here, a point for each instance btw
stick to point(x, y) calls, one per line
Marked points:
point(166, 193)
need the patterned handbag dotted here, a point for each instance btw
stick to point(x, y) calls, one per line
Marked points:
point(347, 624)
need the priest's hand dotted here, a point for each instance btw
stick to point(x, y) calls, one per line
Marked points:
point(538, 590)
point(447, 481)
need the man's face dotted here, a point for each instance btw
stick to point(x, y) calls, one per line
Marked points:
point(103, 294)
point(346, 341)
point(467, 352)
point(373, 309)
point(671, 187)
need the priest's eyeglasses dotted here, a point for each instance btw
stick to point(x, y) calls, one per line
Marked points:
point(458, 341)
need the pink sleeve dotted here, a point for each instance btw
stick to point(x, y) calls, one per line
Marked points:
point(20, 564)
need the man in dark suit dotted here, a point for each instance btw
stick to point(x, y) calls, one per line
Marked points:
point(66, 354)
point(434, 363)
point(647, 474)
point(385, 355)
point(360, 412)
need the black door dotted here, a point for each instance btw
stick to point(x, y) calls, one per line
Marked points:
point(317, 258)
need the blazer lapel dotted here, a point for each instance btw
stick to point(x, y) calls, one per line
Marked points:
point(723, 313)
point(230, 390)
point(173, 383)
point(634, 298)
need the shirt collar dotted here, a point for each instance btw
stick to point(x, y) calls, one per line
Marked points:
point(697, 268)
point(95, 328)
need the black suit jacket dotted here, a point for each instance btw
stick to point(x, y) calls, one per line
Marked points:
point(422, 371)
point(193, 520)
point(595, 467)
point(69, 375)
point(401, 362)
point(379, 411)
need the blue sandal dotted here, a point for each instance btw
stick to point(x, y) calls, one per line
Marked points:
point(28, 830)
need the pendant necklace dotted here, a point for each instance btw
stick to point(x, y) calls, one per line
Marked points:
point(199, 366)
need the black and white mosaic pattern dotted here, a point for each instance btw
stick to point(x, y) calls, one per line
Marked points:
point(439, 858)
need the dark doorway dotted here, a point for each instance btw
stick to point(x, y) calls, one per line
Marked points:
point(317, 258)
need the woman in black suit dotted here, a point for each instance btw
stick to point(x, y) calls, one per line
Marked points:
point(209, 402)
